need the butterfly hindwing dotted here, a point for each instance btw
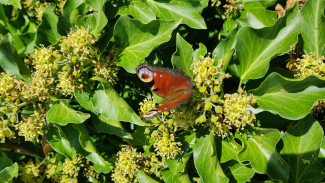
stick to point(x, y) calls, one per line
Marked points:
point(172, 85)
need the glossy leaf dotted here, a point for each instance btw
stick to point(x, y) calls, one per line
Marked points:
point(238, 172)
point(206, 161)
point(301, 145)
point(60, 113)
point(201, 51)
point(278, 94)
point(321, 154)
point(176, 170)
point(146, 11)
point(254, 51)
point(135, 40)
point(100, 165)
point(8, 169)
point(59, 141)
point(110, 105)
point(15, 3)
point(259, 17)
point(313, 26)
point(95, 18)
point(144, 178)
point(225, 49)
point(183, 58)
point(260, 150)
point(110, 126)
point(47, 31)
point(229, 149)
point(10, 60)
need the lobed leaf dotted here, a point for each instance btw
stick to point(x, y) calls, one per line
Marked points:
point(256, 47)
point(278, 95)
point(238, 172)
point(301, 145)
point(136, 40)
point(183, 58)
point(146, 11)
point(260, 150)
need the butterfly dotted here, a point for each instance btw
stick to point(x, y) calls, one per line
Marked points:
point(171, 84)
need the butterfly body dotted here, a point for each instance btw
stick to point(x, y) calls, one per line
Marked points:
point(172, 85)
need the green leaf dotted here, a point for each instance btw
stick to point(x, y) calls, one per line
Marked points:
point(95, 17)
point(100, 165)
point(110, 126)
point(110, 105)
point(140, 10)
point(256, 47)
point(182, 58)
point(83, 98)
point(259, 17)
point(229, 149)
point(146, 11)
point(176, 170)
point(278, 94)
point(321, 154)
point(8, 170)
point(59, 141)
point(47, 31)
point(62, 114)
point(238, 172)
point(15, 3)
point(313, 26)
point(225, 49)
point(301, 145)
point(206, 161)
point(136, 40)
point(201, 51)
point(138, 137)
point(260, 150)
point(10, 60)
point(144, 178)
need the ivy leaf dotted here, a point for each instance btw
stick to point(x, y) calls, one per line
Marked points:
point(321, 154)
point(206, 161)
point(300, 156)
point(238, 172)
point(62, 114)
point(313, 26)
point(254, 51)
point(278, 94)
point(59, 141)
point(182, 58)
point(110, 126)
point(110, 105)
point(229, 149)
point(225, 49)
point(136, 40)
point(95, 17)
point(176, 170)
point(15, 3)
point(100, 165)
point(259, 17)
point(144, 178)
point(10, 60)
point(201, 51)
point(140, 10)
point(8, 170)
point(146, 11)
point(260, 150)
point(47, 31)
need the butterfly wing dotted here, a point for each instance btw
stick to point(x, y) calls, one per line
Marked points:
point(172, 85)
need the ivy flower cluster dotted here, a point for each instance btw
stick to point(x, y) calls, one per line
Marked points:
point(128, 163)
point(232, 7)
point(56, 171)
point(307, 65)
point(223, 113)
point(35, 8)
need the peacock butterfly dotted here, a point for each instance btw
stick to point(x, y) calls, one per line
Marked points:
point(172, 85)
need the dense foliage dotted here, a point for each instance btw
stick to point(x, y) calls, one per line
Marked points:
point(71, 102)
